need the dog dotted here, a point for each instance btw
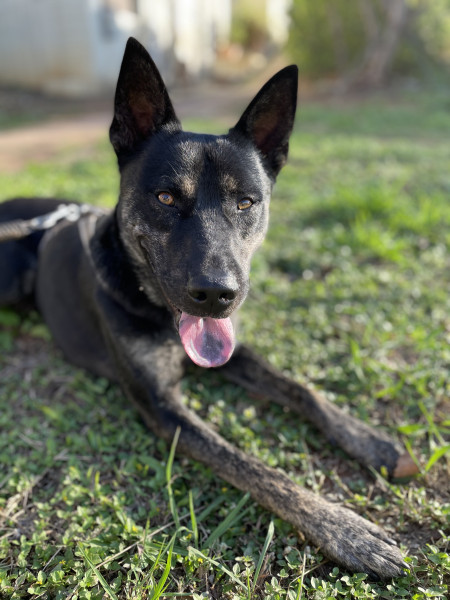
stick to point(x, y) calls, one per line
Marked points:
point(137, 294)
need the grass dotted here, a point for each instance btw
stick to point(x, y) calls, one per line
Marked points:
point(350, 293)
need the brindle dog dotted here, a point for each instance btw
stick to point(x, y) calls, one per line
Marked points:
point(135, 294)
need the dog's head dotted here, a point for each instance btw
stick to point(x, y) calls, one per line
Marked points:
point(193, 208)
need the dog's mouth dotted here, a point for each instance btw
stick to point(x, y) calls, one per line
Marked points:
point(208, 342)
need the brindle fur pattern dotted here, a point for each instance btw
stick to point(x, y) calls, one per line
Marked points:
point(111, 290)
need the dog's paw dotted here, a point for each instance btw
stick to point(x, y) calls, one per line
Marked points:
point(358, 544)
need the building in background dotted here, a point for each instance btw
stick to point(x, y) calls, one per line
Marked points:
point(74, 47)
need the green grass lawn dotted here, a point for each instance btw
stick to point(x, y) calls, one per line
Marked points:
point(350, 293)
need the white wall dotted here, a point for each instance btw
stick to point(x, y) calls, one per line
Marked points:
point(40, 41)
point(278, 19)
point(75, 47)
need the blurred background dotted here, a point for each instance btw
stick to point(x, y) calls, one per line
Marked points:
point(61, 58)
point(73, 48)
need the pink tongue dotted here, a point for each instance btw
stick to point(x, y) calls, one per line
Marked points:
point(208, 342)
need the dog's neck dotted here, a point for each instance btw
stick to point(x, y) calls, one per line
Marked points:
point(119, 276)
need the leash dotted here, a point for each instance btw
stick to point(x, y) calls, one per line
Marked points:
point(21, 228)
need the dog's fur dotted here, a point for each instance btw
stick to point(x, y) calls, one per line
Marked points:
point(112, 290)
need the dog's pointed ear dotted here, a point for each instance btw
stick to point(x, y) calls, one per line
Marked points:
point(142, 104)
point(269, 118)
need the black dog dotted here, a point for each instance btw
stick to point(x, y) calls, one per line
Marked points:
point(128, 294)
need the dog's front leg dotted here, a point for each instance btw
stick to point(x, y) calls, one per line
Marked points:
point(149, 365)
point(369, 446)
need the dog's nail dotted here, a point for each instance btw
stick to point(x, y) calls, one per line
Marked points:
point(391, 541)
point(405, 467)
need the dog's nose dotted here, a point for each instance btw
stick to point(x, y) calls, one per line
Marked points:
point(211, 296)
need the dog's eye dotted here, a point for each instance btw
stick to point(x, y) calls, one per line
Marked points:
point(244, 203)
point(166, 198)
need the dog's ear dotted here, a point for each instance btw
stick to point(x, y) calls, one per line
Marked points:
point(269, 118)
point(142, 105)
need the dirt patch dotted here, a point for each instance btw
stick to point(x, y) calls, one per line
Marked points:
point(41, 142)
